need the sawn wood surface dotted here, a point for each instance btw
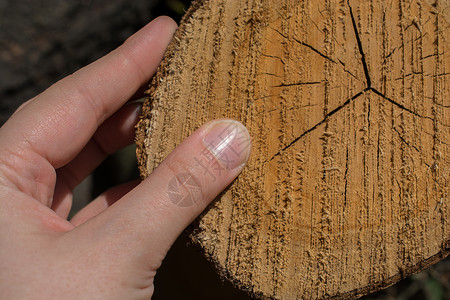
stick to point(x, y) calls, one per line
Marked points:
point(348, 105)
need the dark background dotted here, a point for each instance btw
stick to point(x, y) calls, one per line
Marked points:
point(42, 41)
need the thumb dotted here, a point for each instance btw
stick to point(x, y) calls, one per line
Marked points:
point(150, 217)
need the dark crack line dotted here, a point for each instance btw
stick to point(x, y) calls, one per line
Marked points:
point(440, 105)
point(401, 46)
point(325, 56)
point(276, 30)
point(400, 105)
point(298, 83)
point(411, 74)
point(312, 21)
point(347, 71)
point(432, 55)
point(306, 45)
point(414, 23)
point(390, 54)
point(330, 114)
point(439, 75)
point(271, 74)
point(319, 53)
point(346, 179)
point(405, 108)
point(315, 50)
point(409, 145)
point(271, 56)
point(361, 51)
point(348, 101)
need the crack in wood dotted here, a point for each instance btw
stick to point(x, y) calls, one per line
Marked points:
point(404, 141)
point(317, 52)
point(271, 56)
point(270, 74)
point(314, 50)
point(423, 74)
point(306, 45)
point(298, 83)
point(315, 24)
point(439, 75)
point(331, 113)
point(345, 69)
point(328, 115)
point(346, 179)
point(409, 145)
point(360, 48)
point(401, 106)
point(390, 54)
point(440, 105)
point(402, 46)
point(432, 55)
point(414, 23)
point(348, 101)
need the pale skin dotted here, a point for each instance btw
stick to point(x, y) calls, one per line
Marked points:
point(112, 248)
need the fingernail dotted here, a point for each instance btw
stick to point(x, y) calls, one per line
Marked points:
point(229, 142)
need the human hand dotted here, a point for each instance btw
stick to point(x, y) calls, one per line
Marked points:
point(55, 140)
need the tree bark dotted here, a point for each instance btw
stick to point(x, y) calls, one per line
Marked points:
point(347, 102)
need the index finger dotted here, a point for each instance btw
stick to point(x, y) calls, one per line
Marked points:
point(60, 121)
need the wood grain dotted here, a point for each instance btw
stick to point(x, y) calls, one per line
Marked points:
point(347, 102)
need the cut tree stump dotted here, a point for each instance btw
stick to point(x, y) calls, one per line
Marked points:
point(348, 104)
